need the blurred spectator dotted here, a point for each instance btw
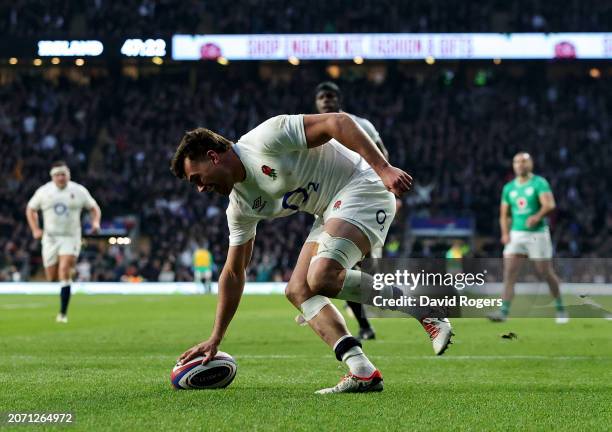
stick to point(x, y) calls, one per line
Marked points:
point(166, 274)
point(83, 269)
point(131, 275)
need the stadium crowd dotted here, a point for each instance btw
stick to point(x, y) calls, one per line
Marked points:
point(164, 17)
point(456, 138)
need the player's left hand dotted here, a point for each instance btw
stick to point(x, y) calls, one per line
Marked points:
point(95, 228)
point(532, 221)
point(396, 180)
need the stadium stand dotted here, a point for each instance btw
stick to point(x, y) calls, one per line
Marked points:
point(95, 17)
point(454, 135)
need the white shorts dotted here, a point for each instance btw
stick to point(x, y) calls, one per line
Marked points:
point(534, 244)
point(53, 246)
point(202, 274)
point(365, 203)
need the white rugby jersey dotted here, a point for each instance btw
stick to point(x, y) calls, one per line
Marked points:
point(61, 208)
point(284, 176)
point(367, 126)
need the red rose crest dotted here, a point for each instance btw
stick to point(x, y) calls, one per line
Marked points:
point(337, 204)
point(270, 172)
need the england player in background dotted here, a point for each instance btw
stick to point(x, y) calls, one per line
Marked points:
point(526, 201)
point(323, 164)
point(328, 99)
point(61, 202)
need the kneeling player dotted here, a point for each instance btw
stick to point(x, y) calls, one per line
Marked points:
point(294, 163)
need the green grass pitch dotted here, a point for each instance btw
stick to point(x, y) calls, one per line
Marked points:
point(110, 366)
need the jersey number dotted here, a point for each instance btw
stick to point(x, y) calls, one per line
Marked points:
point(311, 187)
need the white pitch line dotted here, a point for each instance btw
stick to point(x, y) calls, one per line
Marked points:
point(438, 358)
point(17, 357)
point(23, 305)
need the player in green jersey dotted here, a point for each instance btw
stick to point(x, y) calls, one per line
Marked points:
point(526, 201)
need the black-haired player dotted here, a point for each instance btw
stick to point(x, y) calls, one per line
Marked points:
point(328, 98)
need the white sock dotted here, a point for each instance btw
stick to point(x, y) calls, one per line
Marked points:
point(358, 363)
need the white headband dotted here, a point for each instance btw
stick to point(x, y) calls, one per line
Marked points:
point(59, 170)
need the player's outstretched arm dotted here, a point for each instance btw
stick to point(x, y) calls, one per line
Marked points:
point(320, 128)
point(231, 285)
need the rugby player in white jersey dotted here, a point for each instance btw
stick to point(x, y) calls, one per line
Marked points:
point(328, 99)
point(61, 202)
point(323, 164)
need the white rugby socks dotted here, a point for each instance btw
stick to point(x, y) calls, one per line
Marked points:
point(356, 360)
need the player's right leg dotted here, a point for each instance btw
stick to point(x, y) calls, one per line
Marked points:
point(325, 319)
point(512, 266)
point(66, 266)
point(438, 327)
point(50, 257)
point(546, 272)
point(541, 251)
point(51, 272)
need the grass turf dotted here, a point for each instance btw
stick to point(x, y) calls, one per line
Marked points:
point(110, 366)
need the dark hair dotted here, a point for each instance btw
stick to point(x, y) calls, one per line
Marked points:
point(329, 86)
point(194, 145)
point(59, 163)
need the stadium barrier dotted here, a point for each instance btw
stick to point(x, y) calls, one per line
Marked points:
point(162, 288)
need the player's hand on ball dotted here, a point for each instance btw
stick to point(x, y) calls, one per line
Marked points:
point(208, 349)
point(505, 239)
point(37, 234)
point(396, 180)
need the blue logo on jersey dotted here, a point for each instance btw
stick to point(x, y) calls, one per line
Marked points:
point(60, 209)
point(312, 187)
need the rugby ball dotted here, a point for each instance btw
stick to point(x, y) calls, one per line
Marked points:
point(217, 373)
